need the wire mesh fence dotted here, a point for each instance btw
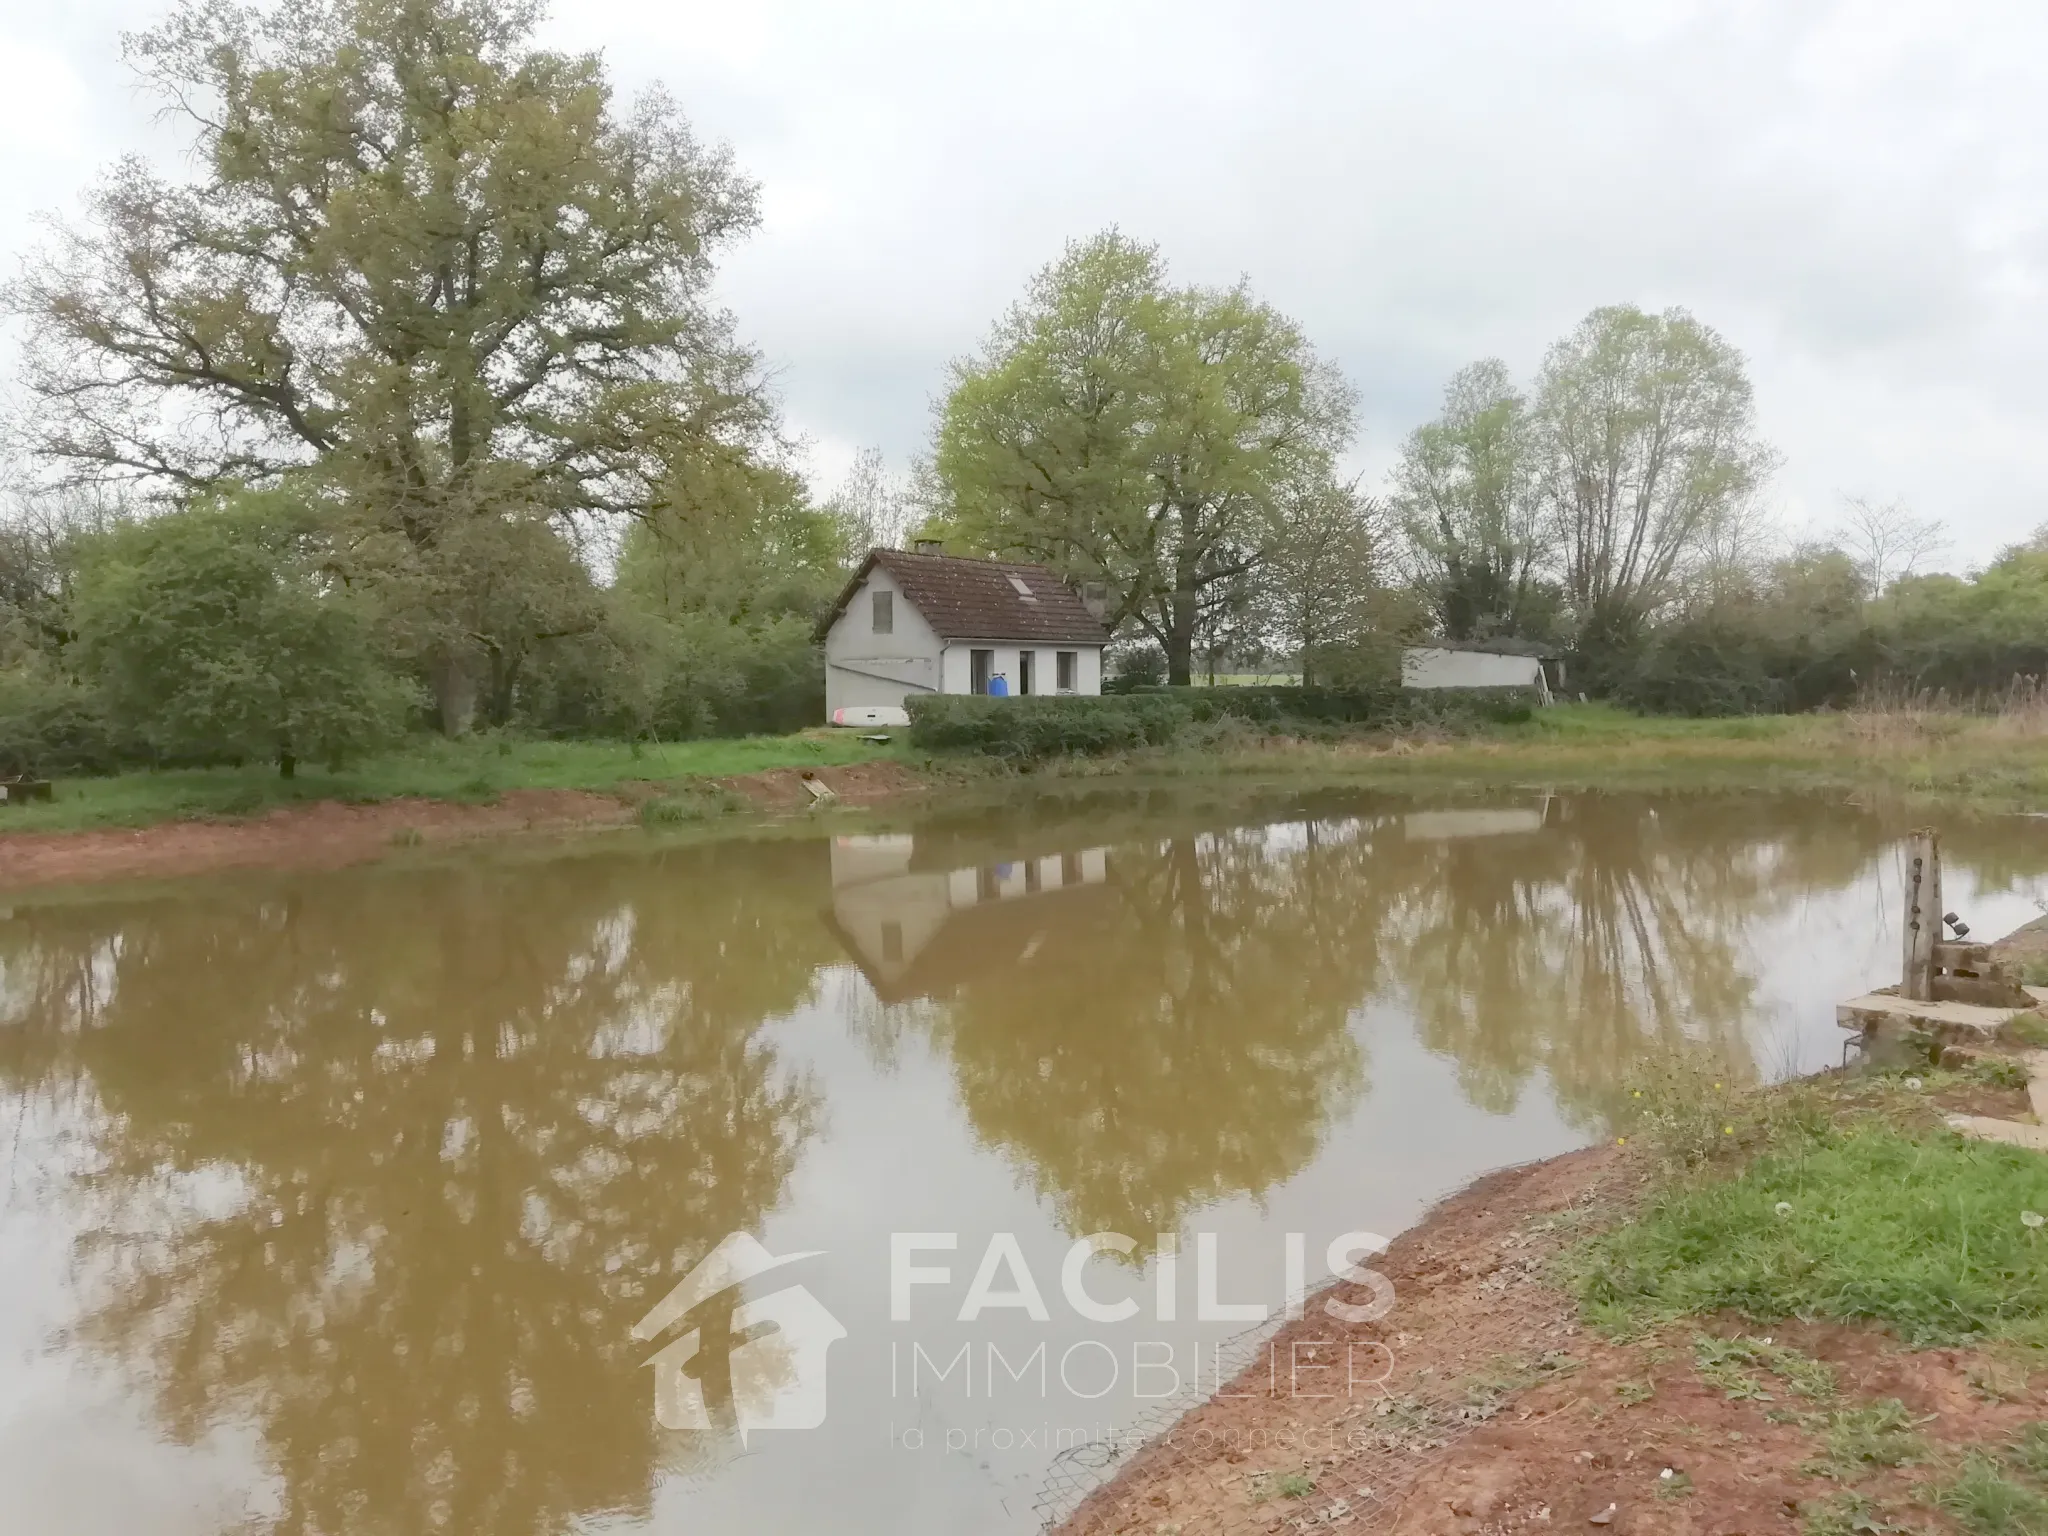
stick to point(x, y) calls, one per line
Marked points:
point(1322, 1424)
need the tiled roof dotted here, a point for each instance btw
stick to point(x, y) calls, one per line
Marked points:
point(979, 599)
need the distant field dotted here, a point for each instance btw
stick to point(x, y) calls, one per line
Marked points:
point(475, 769)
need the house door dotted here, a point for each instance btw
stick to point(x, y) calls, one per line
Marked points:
point(979, 665)
point(1024, 660)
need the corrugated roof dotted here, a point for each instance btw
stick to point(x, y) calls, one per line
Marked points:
point(981, 599)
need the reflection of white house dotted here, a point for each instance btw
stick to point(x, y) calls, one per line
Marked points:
point(1482, 664)
point(1432, 826)
point(930, 623)
point(1492, 821)
point(902, 923)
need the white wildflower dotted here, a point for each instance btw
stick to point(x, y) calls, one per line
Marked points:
point(1784, 1207)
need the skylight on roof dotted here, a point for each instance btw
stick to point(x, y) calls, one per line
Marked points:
point(1023, 591)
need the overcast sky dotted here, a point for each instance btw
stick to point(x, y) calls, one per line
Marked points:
point(1855, 194)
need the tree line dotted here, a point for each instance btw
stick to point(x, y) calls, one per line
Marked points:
point(411, 406)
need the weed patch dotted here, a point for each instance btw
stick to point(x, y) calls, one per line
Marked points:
point(685, 806)
point(2030, 1451)
point(1986, 1502)
point(1869, 1436)
point(1845, 1514)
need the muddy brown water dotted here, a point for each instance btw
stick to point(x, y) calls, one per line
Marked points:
point(332, 1201)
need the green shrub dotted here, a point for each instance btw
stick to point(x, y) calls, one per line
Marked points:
point(1141, 666)
point(1028, 729)
point(50, 725)
point(1285, 707)
point(216, 633)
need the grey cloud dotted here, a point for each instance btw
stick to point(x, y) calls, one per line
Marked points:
point(1850, 191)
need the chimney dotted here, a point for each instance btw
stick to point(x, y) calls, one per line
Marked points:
point(927, 546)
point(1095, 598)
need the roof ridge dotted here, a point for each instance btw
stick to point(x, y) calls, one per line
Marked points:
point(965, 597)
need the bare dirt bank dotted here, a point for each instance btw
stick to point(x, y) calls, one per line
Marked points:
point(1481, 1407)
point(330, 834)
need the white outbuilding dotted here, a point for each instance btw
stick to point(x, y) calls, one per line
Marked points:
point(1482, 664)
point(923, 622)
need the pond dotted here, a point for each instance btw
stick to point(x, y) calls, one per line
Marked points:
point(737, 1185)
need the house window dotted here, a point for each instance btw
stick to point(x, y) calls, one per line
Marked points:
point(1064, 668)
point(1024, 670)
point(1023, 590)
point(979, 665)
point(885, 613)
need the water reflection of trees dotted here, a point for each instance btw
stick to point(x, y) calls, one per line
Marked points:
point(1180, 1038)
point(1628, 929)
point(392, 1165)
point(1185, 1038)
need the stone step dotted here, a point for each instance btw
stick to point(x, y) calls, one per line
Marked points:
point(2009, 1132)
point(1955, 1023)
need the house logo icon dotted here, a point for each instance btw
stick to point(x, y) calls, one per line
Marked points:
point(742, 1362)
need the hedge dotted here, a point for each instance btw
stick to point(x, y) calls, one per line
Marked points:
point(1053, 725)
point(1044, 726)
point(1386, 705)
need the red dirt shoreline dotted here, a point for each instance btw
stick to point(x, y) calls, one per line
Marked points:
point(1494, 1412)
point(330, 834)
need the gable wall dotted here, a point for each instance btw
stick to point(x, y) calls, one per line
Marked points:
point(909, 654)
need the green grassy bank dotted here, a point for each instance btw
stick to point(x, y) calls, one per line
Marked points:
point(476, 769)
point(1986, 762)
point(1991, 762)
point(1843, 1200)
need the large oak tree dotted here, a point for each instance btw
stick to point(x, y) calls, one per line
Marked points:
point(438, 266)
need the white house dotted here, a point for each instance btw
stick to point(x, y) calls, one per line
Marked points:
point(924, 622)
point(1482, 664)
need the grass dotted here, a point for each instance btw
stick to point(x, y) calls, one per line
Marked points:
point(1882, 1434)
point(1991, 761)
point(1731, 1365)
point(1843, 1514)
point(2030, 1451)
point(476, 769)
point(1488, 1389)
point(1837, 1199)
point(1986, 1501)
